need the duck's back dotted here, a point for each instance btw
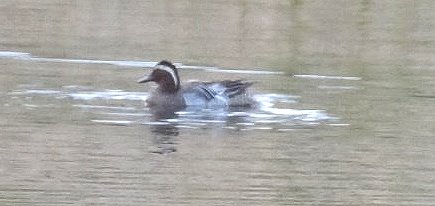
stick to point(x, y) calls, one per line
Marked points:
point(217, 94)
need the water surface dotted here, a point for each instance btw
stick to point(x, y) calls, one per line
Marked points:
point(346, 93)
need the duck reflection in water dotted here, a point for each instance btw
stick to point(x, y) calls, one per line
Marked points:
point(167, 122)
point(165, 133)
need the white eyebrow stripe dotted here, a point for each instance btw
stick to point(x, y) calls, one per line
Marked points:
point(170, 71)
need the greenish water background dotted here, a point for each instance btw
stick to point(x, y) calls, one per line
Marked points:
point(378, 152)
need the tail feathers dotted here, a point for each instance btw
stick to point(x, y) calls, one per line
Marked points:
point(237, 87)
point(229, 88)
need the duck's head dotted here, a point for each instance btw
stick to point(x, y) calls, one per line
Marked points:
point(165, 75)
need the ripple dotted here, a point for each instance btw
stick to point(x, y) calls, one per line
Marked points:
point(34, 91)
point(85, 95)
point(337, 87)
point(85, 106)
point(114, 122)
point(15, 55)
point(236, 71)
point(156, 123)
point(109, 94)
point(315, 76)
point(125, 113)
point(266, 116)
point(131, 64)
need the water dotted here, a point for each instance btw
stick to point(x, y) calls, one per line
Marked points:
point(346, 94)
